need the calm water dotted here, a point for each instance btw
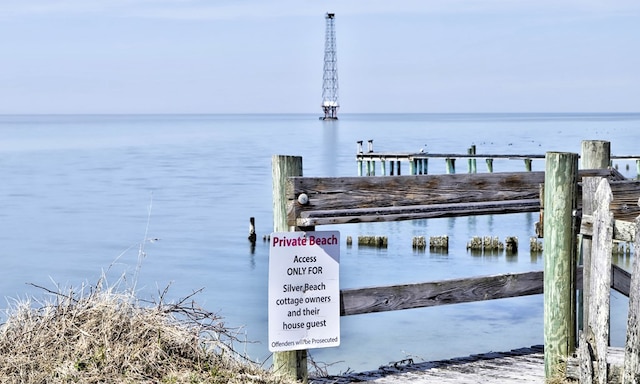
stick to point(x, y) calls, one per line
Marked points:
point(77, 191)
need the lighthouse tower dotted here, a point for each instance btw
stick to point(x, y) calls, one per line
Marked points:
point(330, 78)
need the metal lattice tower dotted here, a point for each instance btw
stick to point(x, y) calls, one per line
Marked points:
point(330, 78)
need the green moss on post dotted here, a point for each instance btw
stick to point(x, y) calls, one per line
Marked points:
point(559, 255)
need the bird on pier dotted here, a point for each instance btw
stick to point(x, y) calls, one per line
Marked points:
point(423, 149)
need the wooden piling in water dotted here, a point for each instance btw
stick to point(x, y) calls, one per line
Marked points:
point(490, 165)
point(559, 267)
point(511, 244)
point(471, 162)
point(439, 243)
point(419, 243)
point(291, 364)
point(535, 246)
point(451, 165)
point(252, 230)
point(373, 241)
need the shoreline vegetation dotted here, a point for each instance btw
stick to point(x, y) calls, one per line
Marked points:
point(98, 334)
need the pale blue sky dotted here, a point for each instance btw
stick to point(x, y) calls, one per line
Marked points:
point(250, 56)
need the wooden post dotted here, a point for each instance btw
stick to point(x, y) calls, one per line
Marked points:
point(596, 154)
point(637, 168)
point(474, 168)
point(412, 167)
point(631, 372)
point(451, 165)
point(490, 165)
point(383, 166)
point(358, 152)
point(559, 267)
point(291, 364)
point(425, 166)
point(527, 165)
point(398, 161)
point(252, 230)
point(391, 167)
point(598, 321)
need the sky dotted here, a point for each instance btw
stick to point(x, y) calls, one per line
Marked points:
point(256, 56)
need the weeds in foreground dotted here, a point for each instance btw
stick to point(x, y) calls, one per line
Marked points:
point(100, 335)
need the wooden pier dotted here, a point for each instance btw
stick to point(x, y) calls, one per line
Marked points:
point(391, 163)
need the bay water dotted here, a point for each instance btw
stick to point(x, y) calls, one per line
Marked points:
point(83, 195)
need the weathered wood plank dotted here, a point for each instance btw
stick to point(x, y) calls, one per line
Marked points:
point(585, 361)
point(385, 191)
point(598, 322)
point(425, 192)
point(519, 366)
point(631, 371)
point(454, 291)
point(406, 296)
point(587, 197)
point(620, 280)
point(625, 199)
point(414, 212)
point(615, 357)
point(622, 230)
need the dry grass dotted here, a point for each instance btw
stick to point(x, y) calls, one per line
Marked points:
point(98, 335)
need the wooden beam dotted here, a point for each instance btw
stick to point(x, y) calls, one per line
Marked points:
point(597, 329)
point(357, 301)
point(620, 280)
point(454, 291)
point(631, 372)
point(625, 199)
point(622, 230)
point(414, 212)
point(345, 195)
point(559, 259)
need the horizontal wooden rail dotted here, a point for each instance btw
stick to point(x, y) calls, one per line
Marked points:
point(456, 291)
point(418, 155)
point(414, 212)
point(338, 200)
point(622, 230)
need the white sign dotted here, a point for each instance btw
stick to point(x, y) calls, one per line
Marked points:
point(304, 290)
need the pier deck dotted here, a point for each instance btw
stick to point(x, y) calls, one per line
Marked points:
point(525, 365)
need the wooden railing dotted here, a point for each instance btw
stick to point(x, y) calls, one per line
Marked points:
point(301, 203)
